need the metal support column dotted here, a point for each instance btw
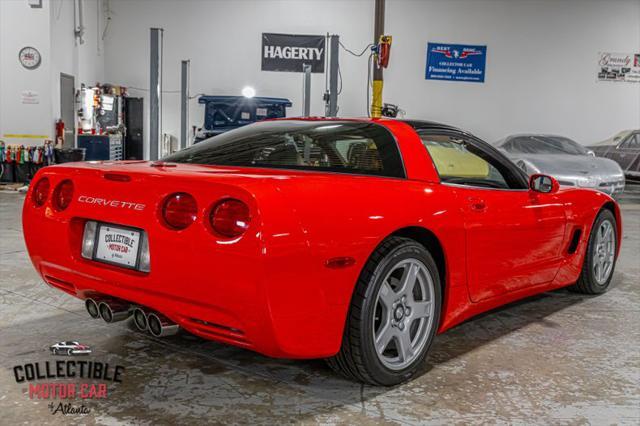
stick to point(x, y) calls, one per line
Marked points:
point(334, 51)
point(155, 93)
point(184, 104)
point(378, 30)
point(306, 90)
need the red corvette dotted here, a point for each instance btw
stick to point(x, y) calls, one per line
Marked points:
point(352, 240)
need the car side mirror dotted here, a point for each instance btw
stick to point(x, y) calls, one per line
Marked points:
point(543, 183)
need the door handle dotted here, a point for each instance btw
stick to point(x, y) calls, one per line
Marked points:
point(477, 204)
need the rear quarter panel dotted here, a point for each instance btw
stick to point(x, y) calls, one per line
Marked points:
point(344, 216)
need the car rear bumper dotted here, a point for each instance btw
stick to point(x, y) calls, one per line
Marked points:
point(246, 298)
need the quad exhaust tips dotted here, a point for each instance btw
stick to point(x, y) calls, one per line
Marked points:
point(113, 310)
point(110, 310)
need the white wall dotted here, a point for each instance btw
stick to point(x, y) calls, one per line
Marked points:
point(541, 65)
point(223, 41)
point(83, 61)
point(50, 29)
point(22, 26)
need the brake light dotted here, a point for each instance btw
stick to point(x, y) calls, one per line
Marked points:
point(62, 195)
point(40, 192)
point(179, 210)
point(230, 218)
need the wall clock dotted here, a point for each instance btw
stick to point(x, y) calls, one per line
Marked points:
point(30, 57)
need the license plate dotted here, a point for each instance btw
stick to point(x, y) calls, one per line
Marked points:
point(117, 245)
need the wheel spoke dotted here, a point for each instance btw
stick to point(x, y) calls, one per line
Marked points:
point(600, 270)
point(387, 295)
point(383, 337)
point(421, 309)
point(403, 340)
point(408, 280)
point(606, 268)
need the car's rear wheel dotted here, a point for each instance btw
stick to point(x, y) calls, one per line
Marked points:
point(393, 316)
point(600, 258)
point(69, 352)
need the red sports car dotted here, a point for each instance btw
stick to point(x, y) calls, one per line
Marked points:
point(352, 240)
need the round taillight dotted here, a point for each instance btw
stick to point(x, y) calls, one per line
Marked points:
point(40, 192)
point(62, 195)
point(179, 210)
point(230, 218)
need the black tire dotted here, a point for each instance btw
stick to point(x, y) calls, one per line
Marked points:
point(587, 282)
point(357, 358)
point(69, 352)
point(54, 351)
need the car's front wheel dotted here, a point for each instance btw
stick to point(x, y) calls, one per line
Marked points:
point(393, 316)
point(600, 258)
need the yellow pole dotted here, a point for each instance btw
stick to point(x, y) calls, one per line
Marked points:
point(378, 31)
point(376, 100)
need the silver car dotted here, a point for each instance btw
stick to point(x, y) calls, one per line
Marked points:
point(569, 162)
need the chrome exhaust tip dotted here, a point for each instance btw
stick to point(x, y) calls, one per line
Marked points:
point(114, 310)
point(92, 308)
point(161, 326)
point(140, 319)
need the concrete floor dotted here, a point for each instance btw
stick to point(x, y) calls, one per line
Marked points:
point(556, 358)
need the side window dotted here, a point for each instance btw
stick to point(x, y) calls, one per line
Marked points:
point(510, 146)
point(457, 161)
point(632, 142)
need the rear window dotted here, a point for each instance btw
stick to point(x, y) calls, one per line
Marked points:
point(335, 146)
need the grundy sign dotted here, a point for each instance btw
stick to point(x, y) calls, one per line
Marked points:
point(289, 52)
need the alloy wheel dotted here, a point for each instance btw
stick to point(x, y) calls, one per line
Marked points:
point(403, 315)
point(604, 252)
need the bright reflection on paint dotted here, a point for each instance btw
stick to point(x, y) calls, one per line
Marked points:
point(328, 127)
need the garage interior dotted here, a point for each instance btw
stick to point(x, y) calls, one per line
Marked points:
point(90, 80)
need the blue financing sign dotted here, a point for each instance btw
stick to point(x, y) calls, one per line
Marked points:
point(456, 62)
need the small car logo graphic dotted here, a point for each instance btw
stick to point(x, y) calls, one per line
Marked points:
point(70, 348)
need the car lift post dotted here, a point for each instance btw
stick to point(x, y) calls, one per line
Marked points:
point(334, 50)
point(184, 103)
point(378, 31)
point(155, 92)
point(306, 90)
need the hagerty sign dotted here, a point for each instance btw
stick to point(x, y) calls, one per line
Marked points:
point(456, 62)
point(289, 52)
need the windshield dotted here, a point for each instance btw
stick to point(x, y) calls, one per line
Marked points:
point(544, 145)
point(338, 146)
